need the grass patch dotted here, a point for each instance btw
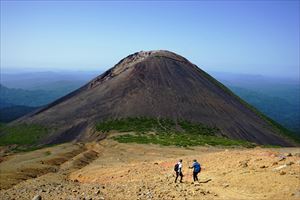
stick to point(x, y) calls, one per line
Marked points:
point(21, 134)
point(167, 132)
point(182, 140)
point(145, 124)
point(141, 124)
point(270, 146)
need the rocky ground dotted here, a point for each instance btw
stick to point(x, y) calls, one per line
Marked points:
point(110, 170)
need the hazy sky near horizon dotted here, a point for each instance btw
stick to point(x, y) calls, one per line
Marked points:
point(257, 37)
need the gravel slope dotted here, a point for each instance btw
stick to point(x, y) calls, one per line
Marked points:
point(110, 170)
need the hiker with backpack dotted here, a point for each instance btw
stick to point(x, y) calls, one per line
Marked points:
point(197, 169)
point(178, 170)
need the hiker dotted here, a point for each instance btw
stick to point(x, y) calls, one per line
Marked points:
point(178, 170)
point(197, 169)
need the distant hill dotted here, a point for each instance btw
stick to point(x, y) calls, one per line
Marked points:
point(277, 108)
point(31, 98)
point(11, 113)
point(15, 103)
point(4, 103)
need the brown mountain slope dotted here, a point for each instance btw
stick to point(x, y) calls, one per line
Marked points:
point(157, 84)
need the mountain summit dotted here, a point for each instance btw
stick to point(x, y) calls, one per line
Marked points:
point(159, 84)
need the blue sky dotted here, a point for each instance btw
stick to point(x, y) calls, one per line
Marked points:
point(257, 37)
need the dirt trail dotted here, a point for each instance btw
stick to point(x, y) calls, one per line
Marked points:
point(110, 170)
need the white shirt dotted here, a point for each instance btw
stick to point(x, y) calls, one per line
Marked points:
point(179, 166)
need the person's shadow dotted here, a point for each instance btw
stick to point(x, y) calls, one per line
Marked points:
point(206, 181)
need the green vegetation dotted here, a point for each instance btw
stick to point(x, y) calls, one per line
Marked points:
point(144, 124)
point(136, 124)
point(166, 132)
point(182, 140)
point(270, 146)
point(21, 134)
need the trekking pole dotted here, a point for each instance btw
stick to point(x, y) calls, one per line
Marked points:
point(188, 174)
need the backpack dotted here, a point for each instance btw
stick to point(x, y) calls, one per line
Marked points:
point(197, 167)
point(176, 167)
